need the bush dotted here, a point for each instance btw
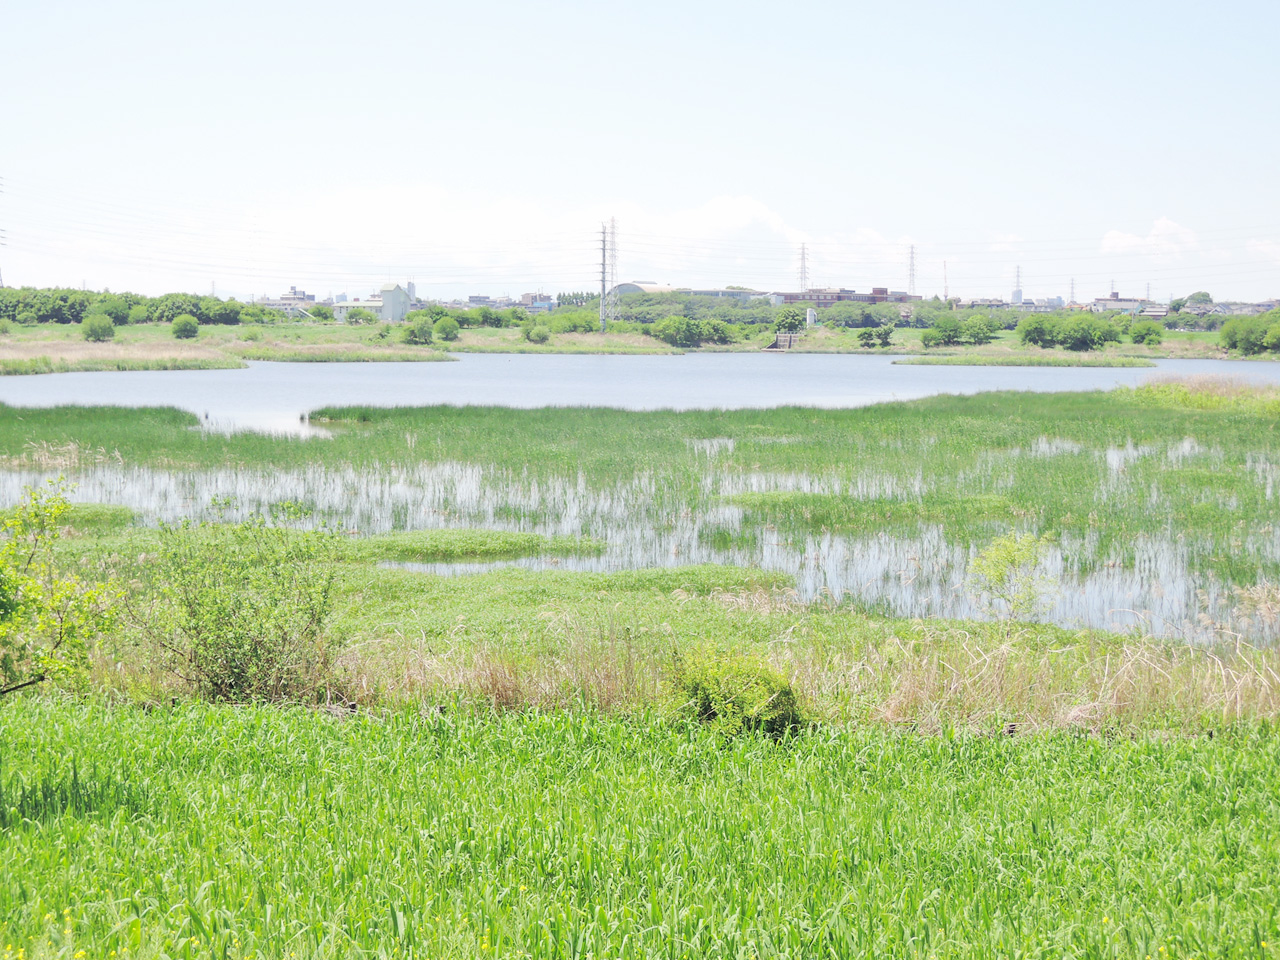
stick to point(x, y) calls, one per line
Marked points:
point(1246, 334)
point(1034, 329)
point(679, 331)
point(537, 334)
point(446, 328)
point(361, 315)
point(185, 327)
point(97, 328)
point(27, 317)
point(736, 693)
point(867, 337)
point(242, 610)
point(979, 329)
point(138, 314)
point(1148, 332)
point(945, 332)
point(47, 618)
point(6, 326)
point(418, 332)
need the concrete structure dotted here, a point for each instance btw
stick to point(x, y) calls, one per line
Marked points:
point(294, 303)
point(391, 304)
point(826, 296)
point(642, 286)
point(1117, 302)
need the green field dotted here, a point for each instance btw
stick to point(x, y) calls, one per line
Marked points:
point(271, 832)
point(515, 762)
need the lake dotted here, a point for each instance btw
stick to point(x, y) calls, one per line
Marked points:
point(275, 397)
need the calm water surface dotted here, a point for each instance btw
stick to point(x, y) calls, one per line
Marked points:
point(276, 396)
point(921, 575)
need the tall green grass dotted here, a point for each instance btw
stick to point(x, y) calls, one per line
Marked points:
point(270, 833)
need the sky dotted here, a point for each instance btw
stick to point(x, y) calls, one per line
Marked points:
point(475, 148)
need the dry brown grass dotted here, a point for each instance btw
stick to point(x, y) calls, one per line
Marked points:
point(938, 678)
point(75, 351)
point(43, 455)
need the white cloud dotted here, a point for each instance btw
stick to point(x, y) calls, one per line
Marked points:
point(1166, 240)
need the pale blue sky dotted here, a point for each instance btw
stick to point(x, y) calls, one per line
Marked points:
point(253, 145)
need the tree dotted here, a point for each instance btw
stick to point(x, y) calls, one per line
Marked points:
point(867, 337)
point(679, 331)
point(361, 315)
point(446, 328)
point(884, 335)
point(789, 320)
point(417, 332)
point(97, 328)
point(168, 308)
point(138, 313)
point(47, 618)
point(978, 329)
point(222, 311)
point(1148, 332)
point(321, 312)
point(1199, 298)
point(185, 327)
point(1034, 329)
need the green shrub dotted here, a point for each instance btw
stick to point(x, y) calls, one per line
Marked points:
point(48, 618)
point(185, 327)
point(1148, 332)
point(6, 326)
point(242, 610)
point(867, 337)
point(1246, 334)
point(417, 331)
point(537, 333)
point(97, 328)
point(736, 693)
point(27, 317)
point(446, 328)
point(790, 320)
point(138, 314)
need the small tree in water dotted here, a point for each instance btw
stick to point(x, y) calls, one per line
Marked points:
point(1006, 574)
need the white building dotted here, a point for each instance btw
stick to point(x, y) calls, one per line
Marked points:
point(391, 304)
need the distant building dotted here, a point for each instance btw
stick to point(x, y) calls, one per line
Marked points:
point(294, 303)
point(537, 302)
point(827, 296)
point(1117, 302)
point(642, 286)
point(391, 303)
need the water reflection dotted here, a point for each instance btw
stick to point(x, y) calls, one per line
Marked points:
point(917, 574)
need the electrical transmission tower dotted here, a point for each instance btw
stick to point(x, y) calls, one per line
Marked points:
point(946, 290)
point(4, 237)
point(608, 273)
point(1073, 289)
point(911, 271)
point(804, 270)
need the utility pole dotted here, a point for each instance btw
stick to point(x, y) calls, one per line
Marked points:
point(804, 270)
point(911, 271)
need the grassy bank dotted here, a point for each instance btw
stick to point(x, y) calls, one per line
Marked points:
point(38, 365)
point(1038, 359)
point(271, 833)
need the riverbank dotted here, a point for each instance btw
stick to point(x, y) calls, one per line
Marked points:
point(50, 348)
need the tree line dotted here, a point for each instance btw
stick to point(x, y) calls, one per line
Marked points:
point(29, 305)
